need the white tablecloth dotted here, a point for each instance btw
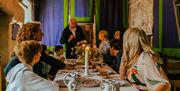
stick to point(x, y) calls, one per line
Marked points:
point(127, 88)
point(59, 76)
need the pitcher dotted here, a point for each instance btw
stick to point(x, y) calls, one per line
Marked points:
point(72, 82)
point(110, 85)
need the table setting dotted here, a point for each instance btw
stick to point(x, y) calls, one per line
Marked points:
point(91, 78)
point(89, 73)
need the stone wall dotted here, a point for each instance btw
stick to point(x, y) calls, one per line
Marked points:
point(141, 15)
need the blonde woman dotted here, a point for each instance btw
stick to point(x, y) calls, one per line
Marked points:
point(21, 77)
point(139, 63)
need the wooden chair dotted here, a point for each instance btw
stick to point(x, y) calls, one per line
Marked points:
point(172, 69)
point(176, 85)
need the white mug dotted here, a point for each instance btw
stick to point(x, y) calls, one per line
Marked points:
point(73, 83)
point(110, 85)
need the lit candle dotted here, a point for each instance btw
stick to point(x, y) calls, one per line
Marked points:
point(86, 72)
point(83, 45)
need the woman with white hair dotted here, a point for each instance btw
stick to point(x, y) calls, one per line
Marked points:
point(139, 63)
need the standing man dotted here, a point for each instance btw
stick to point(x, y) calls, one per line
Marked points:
point(70, 36)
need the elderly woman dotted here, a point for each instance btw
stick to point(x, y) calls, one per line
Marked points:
point(21, 77)
point(32, 31)
point(139, 63)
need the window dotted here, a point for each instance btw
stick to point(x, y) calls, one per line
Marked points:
point(27, 6)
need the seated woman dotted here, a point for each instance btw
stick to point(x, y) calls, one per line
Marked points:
point(139, 63)
point(104, 47)
point(21, 77)
point(32, 31)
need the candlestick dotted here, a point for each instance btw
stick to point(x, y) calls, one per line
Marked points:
point(86, 72)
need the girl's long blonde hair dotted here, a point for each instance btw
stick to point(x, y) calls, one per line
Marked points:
point(135, 41)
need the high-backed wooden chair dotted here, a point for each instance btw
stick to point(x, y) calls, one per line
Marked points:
point(171, 66)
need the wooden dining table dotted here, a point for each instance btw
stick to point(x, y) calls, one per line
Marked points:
point(114, 76)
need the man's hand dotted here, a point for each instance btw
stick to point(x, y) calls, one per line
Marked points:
point(70, 37)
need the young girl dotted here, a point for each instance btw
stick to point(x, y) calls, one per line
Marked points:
point(139, 63)
point(104, 47)
point(21, 76)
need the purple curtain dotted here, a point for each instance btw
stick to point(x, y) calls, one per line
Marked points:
point(52, 19)
point(111, 15)
point(155, 30)
point(170, 31)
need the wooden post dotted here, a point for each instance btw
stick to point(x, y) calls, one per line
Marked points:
point(0, 75)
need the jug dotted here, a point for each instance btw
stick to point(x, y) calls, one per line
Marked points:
point(72, 82)
point(110, 85)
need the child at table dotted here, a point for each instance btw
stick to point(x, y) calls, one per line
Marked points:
point(139, 63)
point(21, 77)
point(116, 52)
point(59, 53)
point(104, 47)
